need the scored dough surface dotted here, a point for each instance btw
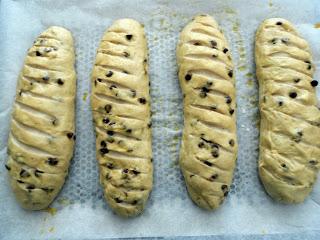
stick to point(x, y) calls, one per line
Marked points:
point(121, 112)
point(209, 142)
point(290, 119)
point(41, 139)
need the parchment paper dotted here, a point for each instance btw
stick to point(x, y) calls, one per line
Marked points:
point(80, 212)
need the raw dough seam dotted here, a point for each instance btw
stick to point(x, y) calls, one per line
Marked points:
point(36, 66)
point(114, 42)
point(206, 56)
point(113, 99)
point(214, 126)
point(109, 83)
point(40, 96)
point(214, 164)
point(113, 54)
point(265, 67)
point(27, 147)
point(102, 131)
point(114, 69)
point(31, 129)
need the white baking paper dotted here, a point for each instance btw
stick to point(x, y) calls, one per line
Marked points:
point(80, 212)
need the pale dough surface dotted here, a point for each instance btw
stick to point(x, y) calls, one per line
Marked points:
point(121, 111)
point(42, 136)
point(209, 143)
point(290, 120)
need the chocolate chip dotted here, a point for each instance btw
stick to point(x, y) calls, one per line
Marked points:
point(106, 120)
point(19, 181)
point(214, 176)
point(99, 79)
point(293, 94)
point(230, 73)
point(279, 23)
point(59, 81)
point(70, 135)
point(110, 165)
point(54, 122)
point(104, 151)
point(280, 103)
point(149, 124)
point(129, 130)
point(125, 171)
point(38, 173)
point(142, 100)
point(47, 190)
point(135, 172)
point(108, 108)
point(231, 142)
point(188, 77)
point(314, 83)
point(213, 43)
point(103, 144)
point(309, 65)
point(45, 78)
point(283, 165)
point(38, 54)
point(201, 145)
point(274, 41)
point(30, 187)
point(296, 80)
point(197, 44)
point(225, 50)
point(145, 60)
point(228, 100)
point(126, 54)
point(215, 153)
point(23, 173)
point(133, 93)
point(112, 87)
point(7, 167)
point(300, 133)
point(151, 159)
point(285, 40)
point(118, 200)
point(209, 83)
point(225, 189)
point(126, 72)
point(109, 132)
point(74, 137)
point(52, 161)
point(109, 74)
point(128, 37)
point(207, 163)
point(313, 162)
point(134, 202)
point(231, 111)
point(203, 92)
point(214, 55)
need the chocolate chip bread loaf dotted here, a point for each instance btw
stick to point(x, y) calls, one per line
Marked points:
point(41, 139)
point(290, 120)
point(209, 142)
point(121, 112)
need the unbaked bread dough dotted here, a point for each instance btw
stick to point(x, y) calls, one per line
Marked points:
point(42, 134)
point(290, 121)
point(121, 111)
point(209, 143)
